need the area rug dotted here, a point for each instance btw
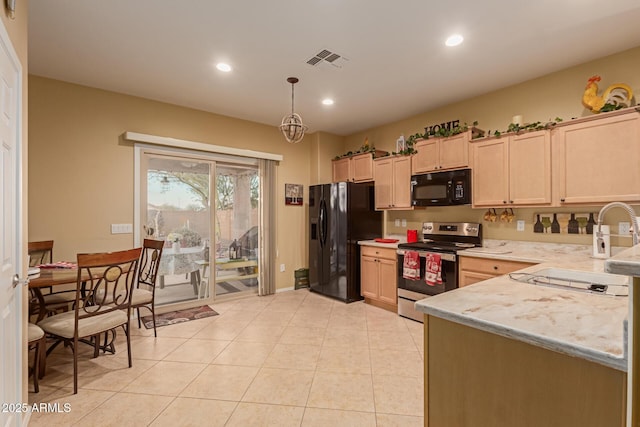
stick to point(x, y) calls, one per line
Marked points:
point(180, 316)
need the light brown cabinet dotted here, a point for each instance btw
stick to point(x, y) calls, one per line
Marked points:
point(513, 170)
point(378, 283)
point(472, 270)
point(357, 168)
point(596, 159)
point(341, 169)
point(435, 154)
point(392, 182)
point(476, 378)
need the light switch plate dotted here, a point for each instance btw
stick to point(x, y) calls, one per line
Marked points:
point(520, 225)
point(404, 222)
point(281, 268)
point(397, 223)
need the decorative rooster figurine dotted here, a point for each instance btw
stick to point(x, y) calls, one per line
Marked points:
point(616, 96)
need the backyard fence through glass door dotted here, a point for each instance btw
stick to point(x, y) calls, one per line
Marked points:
point(177, 207)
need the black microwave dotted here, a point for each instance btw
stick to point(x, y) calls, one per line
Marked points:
point(441, 188)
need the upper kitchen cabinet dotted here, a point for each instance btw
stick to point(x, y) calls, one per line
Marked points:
point(512, 170)
point(597, 159)
point(358, 168)
point(435, 154)
point(393, 182)
point(341, 169)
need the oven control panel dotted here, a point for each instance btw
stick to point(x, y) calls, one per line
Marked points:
point(470, 229)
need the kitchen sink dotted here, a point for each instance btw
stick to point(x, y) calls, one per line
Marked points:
point(582, 281)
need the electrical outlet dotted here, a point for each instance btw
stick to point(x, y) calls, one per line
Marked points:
point(397, 223)
point(281, 268)
point(520, 225)
point(121, 228)
point(404, 222)
point(624, 228)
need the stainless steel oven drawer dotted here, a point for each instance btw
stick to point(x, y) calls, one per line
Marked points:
point(405, 309)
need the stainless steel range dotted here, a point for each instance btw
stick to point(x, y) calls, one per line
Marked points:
point(441, 241)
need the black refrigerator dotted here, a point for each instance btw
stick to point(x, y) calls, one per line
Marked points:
point(340, 214)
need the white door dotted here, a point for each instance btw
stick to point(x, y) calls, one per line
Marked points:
point(10, 232)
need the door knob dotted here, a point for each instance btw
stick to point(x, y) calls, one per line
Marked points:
point(16, 281)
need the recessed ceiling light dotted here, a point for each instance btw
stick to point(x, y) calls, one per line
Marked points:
point(454, 40)
point(327, 101)
point(223, 67)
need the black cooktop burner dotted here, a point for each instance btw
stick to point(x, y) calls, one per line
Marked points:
point(436, 246)
point(447, 237)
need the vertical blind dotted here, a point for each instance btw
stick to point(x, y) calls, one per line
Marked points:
point(267, 282)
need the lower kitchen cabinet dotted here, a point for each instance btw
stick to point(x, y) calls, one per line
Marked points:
point(476, 378)
point(472, 270)
point(378, 283)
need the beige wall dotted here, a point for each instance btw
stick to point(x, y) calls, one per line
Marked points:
point(81, 170)
point(324, 147)
point(542, 99)
point(77, 148)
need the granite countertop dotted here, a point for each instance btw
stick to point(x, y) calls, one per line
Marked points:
point(626, 262)
point(589, 326)
point(400, 238)
point(538, 252)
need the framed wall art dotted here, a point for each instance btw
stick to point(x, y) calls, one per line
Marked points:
point(293, 194)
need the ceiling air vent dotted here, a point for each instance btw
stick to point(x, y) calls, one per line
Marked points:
point(327, 57)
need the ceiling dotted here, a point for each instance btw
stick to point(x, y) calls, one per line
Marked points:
point(396, 62)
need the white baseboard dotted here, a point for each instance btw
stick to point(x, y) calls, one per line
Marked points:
point(284, 289)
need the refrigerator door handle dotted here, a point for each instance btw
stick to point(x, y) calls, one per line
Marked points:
point(323, 223)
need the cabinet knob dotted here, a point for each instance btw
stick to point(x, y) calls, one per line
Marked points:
point(504, 201)
point(495, 267)
point(562, 200)
point(510, 201)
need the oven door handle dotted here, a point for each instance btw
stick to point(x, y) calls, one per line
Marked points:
point(423, 254)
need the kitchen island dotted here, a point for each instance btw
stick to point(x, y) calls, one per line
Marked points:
point(505, 353)
point(628, 263)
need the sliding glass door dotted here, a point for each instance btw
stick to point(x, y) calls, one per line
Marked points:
point(237, 197)
point(206, 212)
point(178, 211)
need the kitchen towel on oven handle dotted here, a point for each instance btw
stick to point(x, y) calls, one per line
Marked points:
point(433, 274)
point(411, 265)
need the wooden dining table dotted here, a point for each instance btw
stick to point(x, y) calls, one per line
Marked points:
point(53, 277)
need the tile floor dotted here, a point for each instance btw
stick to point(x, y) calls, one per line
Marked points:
point(292, 359)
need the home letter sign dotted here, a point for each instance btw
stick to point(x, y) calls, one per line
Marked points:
point(434, 129)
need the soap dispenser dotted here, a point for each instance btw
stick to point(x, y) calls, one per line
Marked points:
point(601, 244)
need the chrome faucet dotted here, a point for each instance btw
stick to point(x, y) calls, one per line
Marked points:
point(634, 223)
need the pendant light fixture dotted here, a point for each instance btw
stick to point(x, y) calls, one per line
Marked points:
point(292, 127)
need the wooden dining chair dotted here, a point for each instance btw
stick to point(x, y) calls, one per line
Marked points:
point(145, 291)
point(36, 341)
point(53, 302)
point(104, 286)
point(40, 252)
